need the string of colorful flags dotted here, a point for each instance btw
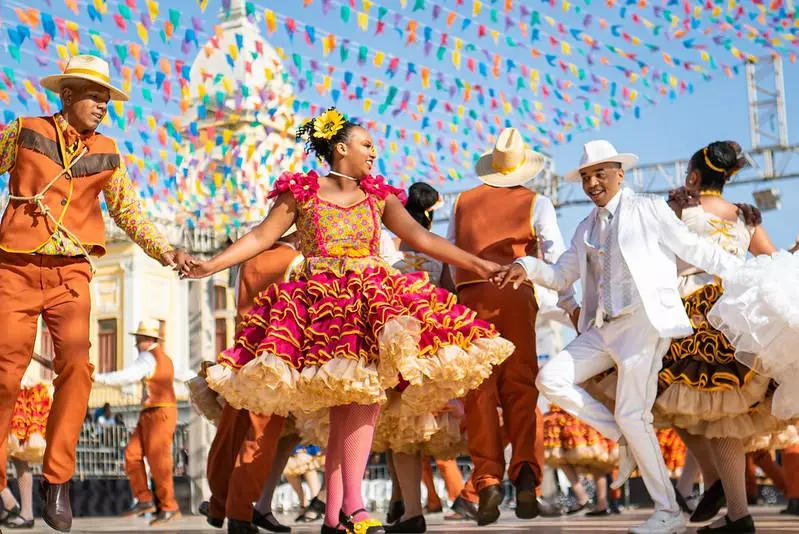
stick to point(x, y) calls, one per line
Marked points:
point(218, 88)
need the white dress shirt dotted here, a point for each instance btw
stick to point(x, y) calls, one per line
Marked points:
point(544, 221)
point(142, 368)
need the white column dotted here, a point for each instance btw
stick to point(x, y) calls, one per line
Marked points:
point(201, 347)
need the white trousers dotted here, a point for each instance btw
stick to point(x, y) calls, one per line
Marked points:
point(636, 348)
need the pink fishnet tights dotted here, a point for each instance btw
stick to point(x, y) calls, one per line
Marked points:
point(352, 427)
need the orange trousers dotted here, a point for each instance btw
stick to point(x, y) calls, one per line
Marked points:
point(239, 461)
point(469, 493)
point(764, 461)
point(790, 466)
point(453, 479)
point(152, 439)
point(56, 288)
point(511, 386)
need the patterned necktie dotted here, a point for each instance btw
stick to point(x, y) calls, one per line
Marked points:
point(604, 304)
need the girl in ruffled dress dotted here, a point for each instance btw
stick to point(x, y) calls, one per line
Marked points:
point(348, 327)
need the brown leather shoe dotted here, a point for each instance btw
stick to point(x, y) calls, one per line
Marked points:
point(166, 517)
point(139, 508)
point(488, 509)
point(526, 501)
point(57, 511)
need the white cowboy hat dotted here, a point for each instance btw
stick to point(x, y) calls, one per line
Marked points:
point(511, 163)
point(149, 328)
point(85, 67)
point(600, 151)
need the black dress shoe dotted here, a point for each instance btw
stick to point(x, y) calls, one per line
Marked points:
point(599, 512)
point(526, 500)
point(205, 510)
point(16, 522)
point(57, 510)
point(237, 526)
point(140, 508)
point(314, 512)
point(268, 522)
point(745, 525)
point(710, 503)
point(614, 508)
point(414, 525)
point(396, 509)
point(331, 530)
point(488, 509)
point(577, 508)
point(7, 515)
point(462, 510)
point(792, 508)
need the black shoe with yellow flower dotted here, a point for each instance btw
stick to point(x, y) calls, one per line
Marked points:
point(366, 526)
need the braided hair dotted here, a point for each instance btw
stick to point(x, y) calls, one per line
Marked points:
point(717, 163)
point(320, 146)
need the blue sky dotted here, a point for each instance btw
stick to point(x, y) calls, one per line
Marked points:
point(676, 126)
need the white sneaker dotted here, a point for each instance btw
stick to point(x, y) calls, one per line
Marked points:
point(662, 523)
point(627, 464)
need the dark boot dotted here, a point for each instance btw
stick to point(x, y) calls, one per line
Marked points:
point(57, 510)
point(488, 510)
point(792, 508)
point(414, 525)
point(462, 510)
point(165, 517)
point(526, 501)
point(745, 525)
point(205, 510)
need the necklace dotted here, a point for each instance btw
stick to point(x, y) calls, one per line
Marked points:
point(344, 176)
point(710, 193)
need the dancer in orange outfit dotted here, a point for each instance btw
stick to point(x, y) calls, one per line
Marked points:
point(790, 467)
point(502, 235)
point(52, 226)
point(247, 446)
point(774, 472)
point(155, 431)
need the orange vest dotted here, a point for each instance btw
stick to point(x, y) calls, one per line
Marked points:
point(267, 268)
point(494, 223)
point(159, 389)
point(73, 200)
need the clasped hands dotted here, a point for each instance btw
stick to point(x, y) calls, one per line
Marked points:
point(502, 275)
point(186, 265)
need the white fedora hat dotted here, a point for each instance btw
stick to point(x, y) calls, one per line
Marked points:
point(511, 163)
point(600, 151)
point(149, 328)
point(85, 67)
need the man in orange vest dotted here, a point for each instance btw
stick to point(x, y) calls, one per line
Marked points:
point(500, 221)
point(155, 431)
point(246, 444)
point(52, 226)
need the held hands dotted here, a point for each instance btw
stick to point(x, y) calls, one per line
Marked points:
point(176, 258)
point(198, 269)
point(510, 274)
point(186, 265)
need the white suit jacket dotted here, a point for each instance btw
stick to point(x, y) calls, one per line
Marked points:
point(651, 238)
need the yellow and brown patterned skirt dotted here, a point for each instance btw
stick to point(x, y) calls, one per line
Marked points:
point(28, 423)
point(569, 441)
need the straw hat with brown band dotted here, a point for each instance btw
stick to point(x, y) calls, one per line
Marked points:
point(85, 67)
point(511, 163)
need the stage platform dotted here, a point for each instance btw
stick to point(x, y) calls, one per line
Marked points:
point(767, 519)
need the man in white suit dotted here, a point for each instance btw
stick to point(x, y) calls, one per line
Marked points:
point(624, 254)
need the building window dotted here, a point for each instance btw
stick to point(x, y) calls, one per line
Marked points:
point(108, 345)
point(221, 335)
point(220, 298)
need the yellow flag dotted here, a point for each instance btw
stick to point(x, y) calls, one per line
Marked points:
point(152, 7)
point(456, 59)
point(271, 26)
point(227, 135)
point(62, 51)
point(476, 6)
point(379, 56)
point(363, 21)
point(566, 48)
point(72, 46)
point(99, 43)
point(367, 5)
point(142, 31)
point(101, 6)
point(203, 4)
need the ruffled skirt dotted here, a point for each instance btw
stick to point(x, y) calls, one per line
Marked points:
point(759, 314)
point(569, 441)
point(28, 424)
point(704, 389)
point(304, 459)
point(324, 340)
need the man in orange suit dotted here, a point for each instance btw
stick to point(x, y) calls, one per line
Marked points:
point(245, 445)
point(501, 235)
point(52, 227)
point(155, 431)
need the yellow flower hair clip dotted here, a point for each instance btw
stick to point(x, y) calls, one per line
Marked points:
point(328, 124)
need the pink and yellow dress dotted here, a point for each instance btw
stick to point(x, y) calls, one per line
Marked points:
point(347, 327)
point(29, 419)
point(569, 441)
